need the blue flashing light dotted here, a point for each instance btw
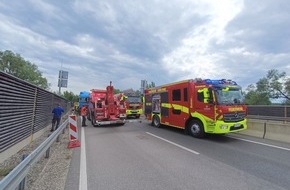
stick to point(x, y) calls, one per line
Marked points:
point(222, 81)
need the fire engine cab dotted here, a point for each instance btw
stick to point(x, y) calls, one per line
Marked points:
point(197, 106)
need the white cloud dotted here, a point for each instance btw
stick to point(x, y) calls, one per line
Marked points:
point(194, 57)
point(155, 40)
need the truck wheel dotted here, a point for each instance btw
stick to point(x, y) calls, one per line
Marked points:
point(195, 129)
point(156, 121)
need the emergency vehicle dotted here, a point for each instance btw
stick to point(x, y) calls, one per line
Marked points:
point(134, 106)
point(197, 106)
point(106, 108)
point(84, 97)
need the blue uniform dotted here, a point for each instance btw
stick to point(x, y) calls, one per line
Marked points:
point(56, 117)
point(57, 112)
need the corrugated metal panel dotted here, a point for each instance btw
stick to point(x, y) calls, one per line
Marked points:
point(274, 111)
point(24, 109)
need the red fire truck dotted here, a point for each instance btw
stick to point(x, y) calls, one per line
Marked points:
point(197, 106)
point(105, 108)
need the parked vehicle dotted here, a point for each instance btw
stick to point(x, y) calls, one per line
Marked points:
point(197, 106)
point(83, 99)
point(134, 106)
point(106, 108)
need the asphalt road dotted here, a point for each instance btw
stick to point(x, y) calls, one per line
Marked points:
point(138, 156)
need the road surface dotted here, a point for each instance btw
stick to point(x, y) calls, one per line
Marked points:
point(139, 156)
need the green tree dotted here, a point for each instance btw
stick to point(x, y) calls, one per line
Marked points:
point(254, 97)
point(15, 65)
point(275, 85)
point(117, 91)
point(150, 85)
point(70, 96)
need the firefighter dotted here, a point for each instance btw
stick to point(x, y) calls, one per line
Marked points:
point(84, 113)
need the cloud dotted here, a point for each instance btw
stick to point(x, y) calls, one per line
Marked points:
point(195, 57)
point(159, 41)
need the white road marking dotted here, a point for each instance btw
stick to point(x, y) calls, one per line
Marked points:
point(264, 144)
point(83, 183)
point(182, 147)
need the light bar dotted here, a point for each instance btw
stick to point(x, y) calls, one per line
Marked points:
point(222, 81)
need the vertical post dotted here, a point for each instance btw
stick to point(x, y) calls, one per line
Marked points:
point(59, 81)
point(57, 139)
point(265, 129)
point(33, 115)
point(47, 151)
point(285, 114)
point(22, 183)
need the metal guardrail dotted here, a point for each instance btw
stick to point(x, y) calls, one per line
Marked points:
point(14, 178)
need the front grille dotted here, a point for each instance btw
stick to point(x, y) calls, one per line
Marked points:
point(134, 107)
point(234, 116)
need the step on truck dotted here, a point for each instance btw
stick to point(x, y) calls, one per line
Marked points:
point(198, 106)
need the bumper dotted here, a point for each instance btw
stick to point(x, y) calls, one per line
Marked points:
point(221, 127)
point(134, 112)
point(110, 122)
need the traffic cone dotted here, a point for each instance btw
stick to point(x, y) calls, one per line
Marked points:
point(73, 132)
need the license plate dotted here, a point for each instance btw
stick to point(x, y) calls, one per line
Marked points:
point(237, 125)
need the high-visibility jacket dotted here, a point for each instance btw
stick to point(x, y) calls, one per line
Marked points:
point(84, 111)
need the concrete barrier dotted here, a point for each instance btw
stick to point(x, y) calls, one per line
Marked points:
point(279, 131)
point(256, 129)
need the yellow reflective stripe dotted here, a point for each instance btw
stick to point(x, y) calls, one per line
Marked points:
point(182, 108)
point(177, 107)
point(166, 105)
point(185, 109)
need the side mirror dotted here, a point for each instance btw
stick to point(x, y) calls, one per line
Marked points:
point(210, 96)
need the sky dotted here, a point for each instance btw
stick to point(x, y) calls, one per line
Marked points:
point(158, 41)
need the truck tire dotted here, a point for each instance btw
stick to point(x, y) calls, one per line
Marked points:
point(156, 121)
point(196, 129)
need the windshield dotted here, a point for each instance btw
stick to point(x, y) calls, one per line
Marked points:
point(229, 96)
point(134, 99)
point(83, 99)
